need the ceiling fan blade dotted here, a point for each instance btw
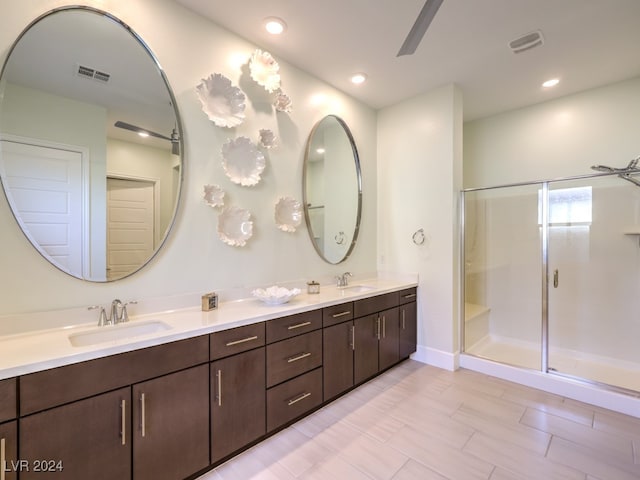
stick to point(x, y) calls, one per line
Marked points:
point(419, 27)
point(134, 128)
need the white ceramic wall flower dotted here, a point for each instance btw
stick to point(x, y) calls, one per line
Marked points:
point(221, 100)
point(282, 103)
point(264, 70)
point(242, 162)
point(288, 214)
point(235, 226)
point(214, 196)
point(267, 138)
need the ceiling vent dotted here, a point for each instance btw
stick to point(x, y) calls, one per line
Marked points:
point(526, 42)
point(92, 73)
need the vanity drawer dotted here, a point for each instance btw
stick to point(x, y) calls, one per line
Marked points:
point(8, 399)
point(337, 314)
point(294, 398)
point(294, 356)
point(370, 305)
point(407, 296)
point(287, 327)
point(49, 388)
point(236, 340)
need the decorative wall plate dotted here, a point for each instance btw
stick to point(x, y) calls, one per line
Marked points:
point(221, 101)
point(264, 70)
point(282, 103)
point(288, 214)
point(214, 196)
point(235, 226)
point(275, 295)
point(242, 161)
point(267, 138)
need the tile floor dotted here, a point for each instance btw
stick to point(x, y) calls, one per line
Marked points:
point(419, 422)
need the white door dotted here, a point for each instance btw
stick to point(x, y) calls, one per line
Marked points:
point(130, 225)
point(44, 188)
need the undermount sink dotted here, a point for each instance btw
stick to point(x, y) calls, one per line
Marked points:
point(357, 288)
point(121, 331)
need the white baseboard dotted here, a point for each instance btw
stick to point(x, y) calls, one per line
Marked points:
point(437, 358)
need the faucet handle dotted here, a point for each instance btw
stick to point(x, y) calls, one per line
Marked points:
point(124, 316)
point(102, 320)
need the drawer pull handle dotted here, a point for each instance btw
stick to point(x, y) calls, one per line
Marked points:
point(219, 378)
point(143, 414)
point(341, 314)
point(237, 342)
point(296, 400)
point(298, 357)
point(123, 426)
point(3, 459)
point(409, 295)
point(298, 325)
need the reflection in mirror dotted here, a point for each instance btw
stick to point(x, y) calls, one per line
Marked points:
point(332, 189)
point(90, 143)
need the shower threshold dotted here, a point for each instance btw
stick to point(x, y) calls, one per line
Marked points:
point(605, 370)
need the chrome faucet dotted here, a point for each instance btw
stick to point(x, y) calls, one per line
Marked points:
point(116, 317)
point(343, 280)
point(118, 313)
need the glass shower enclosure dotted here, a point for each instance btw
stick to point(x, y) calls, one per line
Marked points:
point(552, 277)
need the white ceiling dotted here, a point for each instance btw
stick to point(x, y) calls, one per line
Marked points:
point(588, 43)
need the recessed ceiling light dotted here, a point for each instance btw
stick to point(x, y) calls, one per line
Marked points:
point(274, 25)
point(551, 83)
point(143, 134)
point(359, 78)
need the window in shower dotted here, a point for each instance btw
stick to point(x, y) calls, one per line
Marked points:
point(568, 206)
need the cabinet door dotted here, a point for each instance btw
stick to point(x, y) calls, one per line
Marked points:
point(171, 425)
point(365, 355)
point(338, 343)
point(89, 438)
point(408, 329)
point(237, 402)
point(389, 338)
point(9, 450)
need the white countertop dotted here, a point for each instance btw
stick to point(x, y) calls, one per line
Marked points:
point(40, 350)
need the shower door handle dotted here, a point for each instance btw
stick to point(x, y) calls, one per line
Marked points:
point(555, 278)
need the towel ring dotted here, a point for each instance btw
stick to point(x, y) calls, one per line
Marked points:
point(419, 237)
point(339, 238)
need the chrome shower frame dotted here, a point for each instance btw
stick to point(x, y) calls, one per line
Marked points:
point(625, 174)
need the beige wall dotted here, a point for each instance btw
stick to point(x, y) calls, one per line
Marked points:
point(193, 259)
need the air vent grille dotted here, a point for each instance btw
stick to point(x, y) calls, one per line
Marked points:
point(526, 42)
point(88, 72)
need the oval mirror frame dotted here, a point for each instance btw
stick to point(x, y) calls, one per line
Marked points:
point(87, 266)
point(342, 210)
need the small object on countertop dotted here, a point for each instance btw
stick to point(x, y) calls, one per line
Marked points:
point(209, 301)
point(313, 287)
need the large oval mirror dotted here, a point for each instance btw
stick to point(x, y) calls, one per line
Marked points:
point(90, 143)
point(332, 189)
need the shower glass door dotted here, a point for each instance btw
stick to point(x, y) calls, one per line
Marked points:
point(594, 280)
point(503, 272)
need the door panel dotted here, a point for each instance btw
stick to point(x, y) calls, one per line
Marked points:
point(365, 359)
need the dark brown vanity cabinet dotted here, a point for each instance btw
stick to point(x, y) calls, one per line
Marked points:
point(89, 438)
point(238, 384)
point(294, 367)
point(408, 322)
point(171, 425)
point(376, 335)
point(145, 411)
point(8, 429)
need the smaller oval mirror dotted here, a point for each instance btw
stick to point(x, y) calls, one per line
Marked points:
point(332, 189)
